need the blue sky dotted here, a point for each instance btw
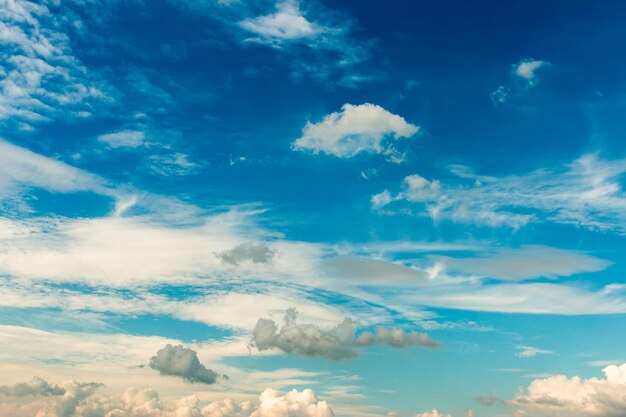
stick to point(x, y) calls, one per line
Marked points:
point(303, 208)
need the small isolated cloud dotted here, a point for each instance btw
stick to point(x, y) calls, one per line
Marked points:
point(531, 352)
point(183, 362)
point(336, 343)
point(287, 23)
point(175, 164)
point(527, 68)
point(356, 128)
point(124, 139)
point(258, 253)
point(563, 397)
point(523, 77)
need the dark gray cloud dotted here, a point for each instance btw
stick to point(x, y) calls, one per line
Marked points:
point(183, 362)
point(339, 342)
point(258, 253)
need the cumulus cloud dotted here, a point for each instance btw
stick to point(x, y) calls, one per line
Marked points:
point(527, 68)
point(433, 413)
point(336, 343)
point(356, 128)
point(183, 362)
point(81, 400)
point(36, 386)
point(123, 139)
point(258, 253)
point(562, 396)
point(586, 193)
point(63, 402)
point(286, 23)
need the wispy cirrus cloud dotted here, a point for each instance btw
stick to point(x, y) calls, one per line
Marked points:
point(587, 192)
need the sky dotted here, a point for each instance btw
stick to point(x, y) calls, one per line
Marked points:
point(312, 208)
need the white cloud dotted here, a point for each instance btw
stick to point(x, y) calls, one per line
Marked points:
point(531, 352)
point(433, 413)
point(355, 129)
point(286, 23)
point(41, 76)
point(20, 168)
point(81, 399)
point(336, 343)
point(527, 68)
point(562, 396)
point(124, 139)
point(536, 298)
point(587, 193)
point(175, 164)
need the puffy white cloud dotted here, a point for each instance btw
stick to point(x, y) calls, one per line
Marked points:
point(527, 68)
point(336, 343)
point(562, 396)
point(586, 193)
point(293, 404)
point(286, 23)
point(355, 129)
point(183, 362)
point(124, 138)
point(62, 401)
point(256, 252)
point(81, 400)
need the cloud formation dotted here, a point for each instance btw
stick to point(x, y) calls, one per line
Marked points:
point(287, 23)
point(336, 343)
point(562, 396)
point(514, 263)
point(80, 400)
point(355, 129)
point(40, 73)
point(183, 362)
point(255, 252)
point(586, 193)
point(124, 138)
